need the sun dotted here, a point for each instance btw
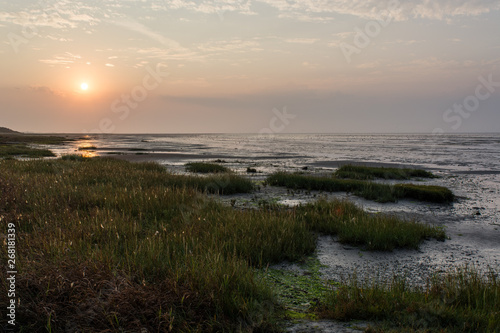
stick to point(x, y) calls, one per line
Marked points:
point(84, 86)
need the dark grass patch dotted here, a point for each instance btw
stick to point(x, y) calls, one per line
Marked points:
point(87, 148)
point(461, 301)
point(16, 145)
point(199, 167)
point(369, 173)
point(251, 170)
point(74, 157)
point(425, 192)
point(368, 190)
point(34, 139)
point(20, 150)
point(352, 225)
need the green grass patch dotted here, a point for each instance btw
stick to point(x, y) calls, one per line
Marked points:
point(298, 289)
point(199, 167)
point(368, 190)
point(462, 301)
point(354, 226)
point(369, 173)
point(424, 192)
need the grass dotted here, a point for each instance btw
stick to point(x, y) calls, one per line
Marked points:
point(368, 190)
point(108, 245)
point(15, 145)
point(21, 150)
point(87, 148)
point(460, 301)
point(34, 139)
point(297, 290)
point(104, 251)
point(352, 225)
point(199, 167)
point(370, 173)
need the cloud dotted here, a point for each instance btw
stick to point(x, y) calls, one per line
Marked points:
point(302, 40)
point(132, 25)
point(374, 9)
point(212, 6)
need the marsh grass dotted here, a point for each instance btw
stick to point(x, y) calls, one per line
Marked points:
point(21, 150)
point(34, 139)
point(370, 173)
point(365, 189)
point(354, 226)
point(87, 148)
point(16, 145)
point(108, 245)
point(200, 167)
point(460, 301)
point(101, 240)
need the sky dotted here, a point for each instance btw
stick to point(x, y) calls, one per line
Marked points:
point(250, 66)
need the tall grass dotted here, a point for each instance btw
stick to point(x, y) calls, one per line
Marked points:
point(368, 190)
point(106, 238)
point(107, 245)
point(369, 173)
point(461, 301)
point(354, 226)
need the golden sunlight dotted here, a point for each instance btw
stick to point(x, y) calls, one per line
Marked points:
point(84, 86)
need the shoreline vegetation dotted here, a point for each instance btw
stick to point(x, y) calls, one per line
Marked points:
point(109, 245)
point(15, 144)
point(369, 190)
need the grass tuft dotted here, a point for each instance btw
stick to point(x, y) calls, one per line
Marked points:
point(354, 226)
point(370, 173)
point(199, 167)
point(460, 301)
point(368, 190)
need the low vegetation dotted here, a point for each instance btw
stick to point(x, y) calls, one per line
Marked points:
point(354, 226)
point(368, 190)
point(108, 245)
point(370, 173)
point(461, 301)
point(20, 150)
point(200, 167)
point(13, 144)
